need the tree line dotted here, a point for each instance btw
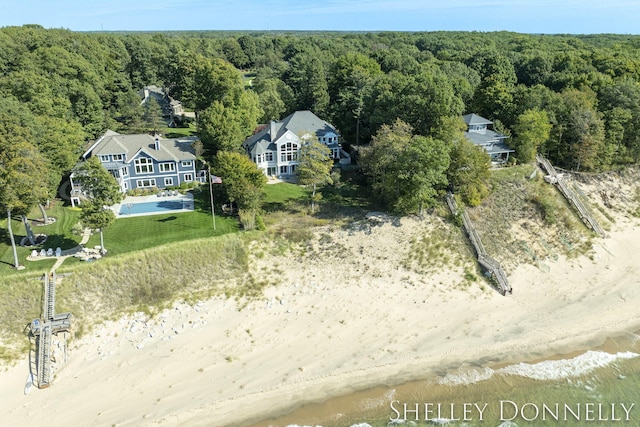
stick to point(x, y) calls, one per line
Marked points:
point(576, 99)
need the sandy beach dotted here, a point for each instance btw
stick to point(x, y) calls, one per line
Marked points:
point(347, 317)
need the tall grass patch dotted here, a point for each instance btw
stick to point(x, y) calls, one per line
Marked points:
point(527, 220)
point(151, 279)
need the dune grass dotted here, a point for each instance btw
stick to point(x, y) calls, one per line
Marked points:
point(145, 280)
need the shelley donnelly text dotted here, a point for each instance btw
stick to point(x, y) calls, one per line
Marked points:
point(508, 410)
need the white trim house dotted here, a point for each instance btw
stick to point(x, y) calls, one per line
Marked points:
point(479, 134)
point(275, 146)
point(142, 161)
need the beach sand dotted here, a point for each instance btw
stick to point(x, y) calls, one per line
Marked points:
point(347, 315)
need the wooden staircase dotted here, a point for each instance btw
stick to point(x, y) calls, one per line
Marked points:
point(43, 329)
point(489, 264)
point(568, 192)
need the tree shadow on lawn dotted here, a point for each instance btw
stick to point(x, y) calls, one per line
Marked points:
point(55, 241)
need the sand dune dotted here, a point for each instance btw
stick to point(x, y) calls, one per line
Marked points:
point(346, 315)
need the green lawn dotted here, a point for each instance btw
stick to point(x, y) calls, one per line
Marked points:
point(136, 233)
point(282, 195)
point(125, 235)
point(59, 234)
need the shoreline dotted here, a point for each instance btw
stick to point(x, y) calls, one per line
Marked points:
point(316, 411)
point(330, 328)
point(412, 378)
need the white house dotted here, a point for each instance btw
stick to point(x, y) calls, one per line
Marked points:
point(275, 146)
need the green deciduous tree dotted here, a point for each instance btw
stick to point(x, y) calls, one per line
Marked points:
point(532, 129)
point(404, 169)
point(22, 173)
point(242, 182)
point(468, 171)
point(225, 124)
point(103, 190)
point(271, 102)
point(314, 167)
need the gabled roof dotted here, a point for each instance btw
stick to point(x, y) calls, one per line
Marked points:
point(492, 142)
point(170, 149)
point(306, 121)
point(474, 119)
point(299, 122)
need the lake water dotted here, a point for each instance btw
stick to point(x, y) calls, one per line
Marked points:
point(599, 387)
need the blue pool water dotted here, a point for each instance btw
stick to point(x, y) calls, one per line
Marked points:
point(160, 206)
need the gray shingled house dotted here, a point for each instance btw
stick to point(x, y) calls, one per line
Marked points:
point(478, 133)
point(274, 147)
point(142, 161)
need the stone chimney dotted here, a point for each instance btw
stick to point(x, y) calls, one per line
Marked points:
point(273, 131)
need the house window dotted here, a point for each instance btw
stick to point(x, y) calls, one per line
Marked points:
point(289, 152)
point(268, 157)
point(144, 165)
point(293, 168)
point(271, 171)
point(126, 185)
point(258, 158)
point(188, 177)
point(283, 170)
point(125, 171)
point(187, 163)
point(118, 157)
point(167, 167)
point(146, 183)
point(104, 158)
point(168, 182)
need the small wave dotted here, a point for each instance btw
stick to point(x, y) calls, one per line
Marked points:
point(373, 403)
point(566, 368)
point(471, 376)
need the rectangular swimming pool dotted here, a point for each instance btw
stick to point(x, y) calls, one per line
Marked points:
point(160, 206)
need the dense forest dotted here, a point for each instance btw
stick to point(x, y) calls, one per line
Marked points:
point(575, 99)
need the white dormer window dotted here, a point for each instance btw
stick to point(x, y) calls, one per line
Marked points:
point(104, 158)
point(118, 157)
point(186, 163)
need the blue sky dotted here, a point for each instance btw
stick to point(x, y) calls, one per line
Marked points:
point(525, 16)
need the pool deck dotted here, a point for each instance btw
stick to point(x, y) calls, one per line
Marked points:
point(187, 203)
